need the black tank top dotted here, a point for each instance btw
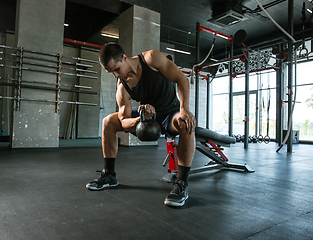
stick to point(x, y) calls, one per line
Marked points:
point(153, 88)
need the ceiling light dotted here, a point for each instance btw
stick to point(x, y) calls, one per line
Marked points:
point(66, 25)
point(175, 50)
point(222, 36)
point(309, 10)
point(109, 35)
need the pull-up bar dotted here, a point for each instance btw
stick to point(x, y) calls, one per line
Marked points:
point(229, 38)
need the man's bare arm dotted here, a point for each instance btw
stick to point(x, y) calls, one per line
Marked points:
point(125, 109)
point(158, 61)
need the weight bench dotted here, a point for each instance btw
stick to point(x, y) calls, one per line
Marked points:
point(208, 143)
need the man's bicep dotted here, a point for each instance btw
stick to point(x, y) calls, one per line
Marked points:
point(124, 112)
point(124, 104)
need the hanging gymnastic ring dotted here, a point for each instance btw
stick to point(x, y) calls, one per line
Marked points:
point(266, 139)
point(310, 53)
point(260, 138)
point(254, 139)
point(303, 55)
point(238, 138)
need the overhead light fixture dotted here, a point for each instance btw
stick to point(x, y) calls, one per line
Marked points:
point(66, 25)
point(109, 35)
point(222, 36)
point(176, 50)
point(309, 10)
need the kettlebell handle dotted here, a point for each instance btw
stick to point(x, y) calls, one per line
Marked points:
point(142, 115)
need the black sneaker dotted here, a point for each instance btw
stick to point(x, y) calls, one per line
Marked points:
point(178, 195)
point(104, 180)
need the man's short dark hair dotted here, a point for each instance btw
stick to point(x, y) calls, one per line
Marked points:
point(109, 51)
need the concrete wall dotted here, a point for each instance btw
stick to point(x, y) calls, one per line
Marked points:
point(39, 27)
point(139, 30)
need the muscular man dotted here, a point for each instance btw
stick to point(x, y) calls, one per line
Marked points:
point(149, 79)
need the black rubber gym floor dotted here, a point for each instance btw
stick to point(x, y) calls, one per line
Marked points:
point(43, 195)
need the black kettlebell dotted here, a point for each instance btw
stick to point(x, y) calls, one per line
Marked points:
point(148, 129)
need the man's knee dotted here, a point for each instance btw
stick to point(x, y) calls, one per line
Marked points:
point(182, 128)
point(113, 123)
point(109, 121)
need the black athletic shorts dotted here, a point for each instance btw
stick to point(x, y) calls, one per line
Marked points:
point(164, 119)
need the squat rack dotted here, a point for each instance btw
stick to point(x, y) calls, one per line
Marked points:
point(245, 58)
point(200, 28)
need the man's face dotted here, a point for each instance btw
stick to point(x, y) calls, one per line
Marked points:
point(118, 69)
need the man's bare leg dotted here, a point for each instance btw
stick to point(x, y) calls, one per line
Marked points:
point(110, 126)
point(185, 154)
point(186, 145)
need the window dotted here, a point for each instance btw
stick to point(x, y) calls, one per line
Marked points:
point(303, 112)
point(259, 108)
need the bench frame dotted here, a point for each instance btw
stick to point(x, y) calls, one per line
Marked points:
point(208, 143)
